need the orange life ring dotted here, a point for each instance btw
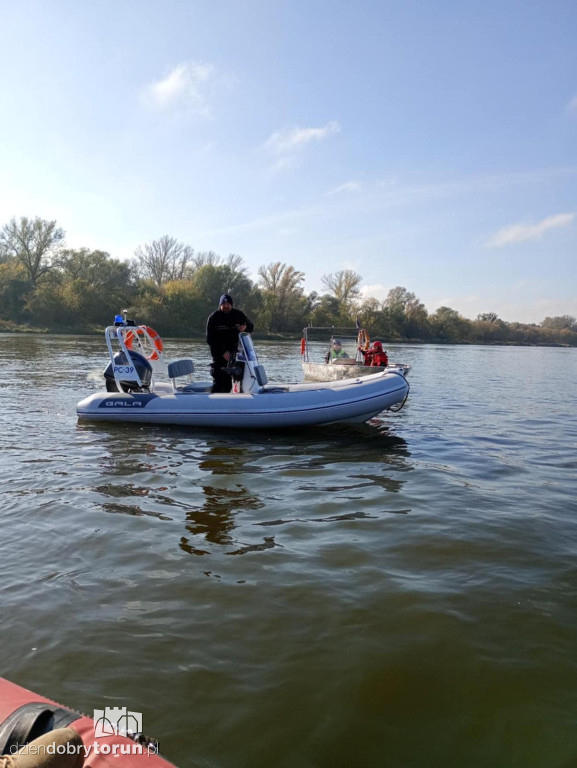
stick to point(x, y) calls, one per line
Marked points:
point(303, 345)
point(364, 340)
point(154, 337)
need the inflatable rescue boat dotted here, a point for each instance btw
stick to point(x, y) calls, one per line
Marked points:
point(142, 387)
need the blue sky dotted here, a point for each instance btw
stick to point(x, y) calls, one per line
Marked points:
point(431, 145)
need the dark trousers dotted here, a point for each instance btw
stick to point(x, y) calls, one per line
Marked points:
point(222, 382)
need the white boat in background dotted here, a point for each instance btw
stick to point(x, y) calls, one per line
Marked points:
point(143, 387)
point(348, 367)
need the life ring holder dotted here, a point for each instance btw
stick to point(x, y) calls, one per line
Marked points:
point(148, 334)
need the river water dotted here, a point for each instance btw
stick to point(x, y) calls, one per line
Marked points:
point(399, 594)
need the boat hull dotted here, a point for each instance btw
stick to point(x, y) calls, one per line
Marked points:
point(350, 400)
point(25, 715)
point(345, 370)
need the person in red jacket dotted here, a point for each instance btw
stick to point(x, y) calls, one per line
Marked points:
point(376, 355)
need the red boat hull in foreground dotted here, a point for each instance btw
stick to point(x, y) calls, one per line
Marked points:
point(24, 715)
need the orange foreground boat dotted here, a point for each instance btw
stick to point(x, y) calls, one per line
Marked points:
point(108, 741)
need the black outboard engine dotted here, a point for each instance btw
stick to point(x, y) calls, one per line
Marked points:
point(234, 368)
point(143, 368)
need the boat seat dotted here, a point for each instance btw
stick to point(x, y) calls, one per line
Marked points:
point(260, 375)
point(179, 368)
point(196, 386)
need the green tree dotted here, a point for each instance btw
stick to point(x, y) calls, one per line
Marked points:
point(488, 317)
point(212, 281)
point(48, 306)
point(181, 310)
point(284, 303)
point(560, 323)
point(35, 243)
point(326, 311)
point(234, 275)
point(404, 314)
point(148, 305)
point(95, 286)
point(488, 327)
point(448, 325)
point(14, 287)
point(370, 316)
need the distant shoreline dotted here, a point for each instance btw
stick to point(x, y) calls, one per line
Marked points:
point(28, 331)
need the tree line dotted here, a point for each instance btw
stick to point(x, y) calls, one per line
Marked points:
point(168, 285)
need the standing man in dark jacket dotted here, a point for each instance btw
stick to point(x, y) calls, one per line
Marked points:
point(222, 329)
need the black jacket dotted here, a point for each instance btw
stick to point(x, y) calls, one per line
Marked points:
point(222, 331)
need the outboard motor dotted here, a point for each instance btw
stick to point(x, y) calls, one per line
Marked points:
point(235, 369)
point(143, 369)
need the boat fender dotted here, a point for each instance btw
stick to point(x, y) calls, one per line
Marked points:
point(155, 337)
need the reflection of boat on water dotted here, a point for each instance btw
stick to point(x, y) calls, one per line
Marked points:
point(346, 367)
point(241, 492)
point(232, 512)
point(136, 391)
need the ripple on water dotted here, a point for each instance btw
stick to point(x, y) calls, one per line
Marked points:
point(326, 597)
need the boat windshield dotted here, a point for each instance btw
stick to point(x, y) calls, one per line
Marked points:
point(331, 345)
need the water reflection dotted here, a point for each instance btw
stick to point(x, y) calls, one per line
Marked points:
point(216, 518)
point(132, 509)
point(302, 475)
point(22, 347)
point(226, 487)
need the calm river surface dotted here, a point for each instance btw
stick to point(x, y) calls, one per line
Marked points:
point(398, 594)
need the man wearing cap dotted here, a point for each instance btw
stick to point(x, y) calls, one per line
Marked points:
point(222, 329)
point(336, 352)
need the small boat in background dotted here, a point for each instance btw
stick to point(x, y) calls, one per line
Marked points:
point(142, 387)
point(354, 342)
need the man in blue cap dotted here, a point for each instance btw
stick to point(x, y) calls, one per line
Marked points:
point(222, 329)
point(336, 352)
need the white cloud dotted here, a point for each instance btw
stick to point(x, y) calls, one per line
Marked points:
point(15, 203)
point(287, 144)
point(185, 86)
point(517, 233)
point(348, 186)
point(281, 164)
point(375, 291)
point(385, 183)
point(288, 231)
